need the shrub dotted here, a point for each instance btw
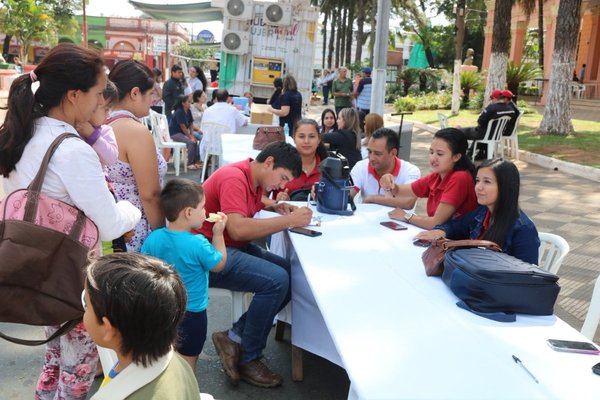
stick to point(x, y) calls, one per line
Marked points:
point(476, 103)
point(392, 92)
point(523, 106)
point(517, 73)
point(470, 80)
point(404, 104)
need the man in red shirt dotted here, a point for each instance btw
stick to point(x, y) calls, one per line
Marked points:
point(236, 190)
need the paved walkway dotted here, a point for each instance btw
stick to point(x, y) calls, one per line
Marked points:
point(558, 203)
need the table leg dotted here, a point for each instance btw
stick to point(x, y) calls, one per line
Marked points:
point(297, 364)
point(279, 330)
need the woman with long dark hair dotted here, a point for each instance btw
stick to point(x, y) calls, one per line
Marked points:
point(138, 174)
point(291, 104)
point(449, 188)
point(197, 79)
point(62, 91)
point(312, 151)
point(328, 121)
point(498, 217)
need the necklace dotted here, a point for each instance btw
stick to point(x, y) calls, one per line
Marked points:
point(309, 167)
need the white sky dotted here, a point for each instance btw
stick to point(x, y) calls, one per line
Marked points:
point(122, 8)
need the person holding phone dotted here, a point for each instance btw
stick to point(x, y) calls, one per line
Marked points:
point(449, 188)
point(498, 218)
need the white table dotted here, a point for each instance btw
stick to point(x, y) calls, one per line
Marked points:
point(238, 147)
point(361, 299)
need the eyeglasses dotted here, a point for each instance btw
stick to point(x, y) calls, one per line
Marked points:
point(83, 303)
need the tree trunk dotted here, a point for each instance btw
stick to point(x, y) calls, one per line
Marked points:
point(557, 113)
point(325, 18)
point(500, 47)
point(373, 29)
point(332, 39)
point(343, 37)
point(541, 33)
point(349, 33)
point(338, 39)
point(360, 22)
point(6, 45)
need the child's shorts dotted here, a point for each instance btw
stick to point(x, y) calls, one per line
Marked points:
point(192, 333)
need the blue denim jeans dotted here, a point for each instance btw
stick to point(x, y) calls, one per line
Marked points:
point(253, 269)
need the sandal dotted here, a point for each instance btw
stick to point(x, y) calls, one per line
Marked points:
point(193, 167)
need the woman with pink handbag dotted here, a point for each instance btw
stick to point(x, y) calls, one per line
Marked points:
point(62, 91)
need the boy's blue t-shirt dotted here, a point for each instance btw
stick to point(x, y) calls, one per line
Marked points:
point(192, 256)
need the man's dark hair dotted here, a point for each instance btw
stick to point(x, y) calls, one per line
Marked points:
point(221, 95)
point(284, 156)
point(178, 194)
point(176, 68)
point(391, 137)
point(142, 297)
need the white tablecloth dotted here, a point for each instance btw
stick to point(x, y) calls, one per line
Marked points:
point(238, 147)
point(362, 300)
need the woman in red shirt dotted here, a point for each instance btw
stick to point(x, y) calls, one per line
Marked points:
point(449, 188)
point(312, 151)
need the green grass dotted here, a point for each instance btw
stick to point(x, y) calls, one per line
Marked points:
point(582, 147)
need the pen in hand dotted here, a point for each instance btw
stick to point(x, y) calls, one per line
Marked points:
point(518, 361)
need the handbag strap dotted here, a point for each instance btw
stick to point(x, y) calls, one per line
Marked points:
point(35, 187)
point(452, 244)
point(66, 327)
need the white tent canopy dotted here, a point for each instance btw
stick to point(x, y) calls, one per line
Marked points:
point(179, 10)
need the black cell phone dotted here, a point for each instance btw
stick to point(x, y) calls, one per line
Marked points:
point(394, 225)
point(596, 369)
point(307, 232)
point(422, 243)
point(573, 346)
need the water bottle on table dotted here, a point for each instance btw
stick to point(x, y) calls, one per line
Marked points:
point(286, 129)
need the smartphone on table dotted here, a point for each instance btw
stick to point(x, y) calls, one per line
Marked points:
point(394, 225)
point(306, 232)
point(572, 346)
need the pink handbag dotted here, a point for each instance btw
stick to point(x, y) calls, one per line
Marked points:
point(44, 248)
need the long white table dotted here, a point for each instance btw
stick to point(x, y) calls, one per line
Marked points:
point(361, 299)
point(238, 147)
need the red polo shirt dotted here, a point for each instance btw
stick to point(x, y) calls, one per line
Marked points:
point(304, 181)
point(457, 189)
point(230, 190)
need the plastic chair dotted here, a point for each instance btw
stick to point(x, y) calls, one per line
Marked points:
point(160, 131)
point(492, 136)
point(553, 250)
point(211, 145)
point(577, 90)
point(443, 118)
point(510, 144)
point(239, 301)
point(590, 325)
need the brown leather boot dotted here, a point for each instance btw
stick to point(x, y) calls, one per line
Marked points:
point(229, 353)
point(258, 374)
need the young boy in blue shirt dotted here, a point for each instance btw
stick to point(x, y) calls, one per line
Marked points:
point(191, 255)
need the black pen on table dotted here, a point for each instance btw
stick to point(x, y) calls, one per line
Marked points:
point(518, 361)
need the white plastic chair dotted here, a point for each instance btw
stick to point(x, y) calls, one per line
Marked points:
point(593, 315)
point(510, 144)
point(211, 145)
point(239, 301)
point(577, 90)
point(443, 118)
point(553, 250)
point(492, 136)
point(160, 131)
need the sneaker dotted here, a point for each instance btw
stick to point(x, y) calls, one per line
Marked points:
point(258, 374)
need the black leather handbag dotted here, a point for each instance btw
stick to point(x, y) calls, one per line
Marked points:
point(496, 285)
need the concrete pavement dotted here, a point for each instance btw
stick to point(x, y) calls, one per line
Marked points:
point(558, 203)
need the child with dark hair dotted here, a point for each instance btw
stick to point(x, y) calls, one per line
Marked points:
point(133, 304)
point(498, 217)
point(192, 256)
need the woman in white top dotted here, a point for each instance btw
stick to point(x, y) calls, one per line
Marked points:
point(197, 79)
point(68, 86)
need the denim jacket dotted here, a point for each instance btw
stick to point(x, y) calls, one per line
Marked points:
point(522, 239)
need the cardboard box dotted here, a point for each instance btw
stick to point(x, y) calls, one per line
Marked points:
point(260, 115)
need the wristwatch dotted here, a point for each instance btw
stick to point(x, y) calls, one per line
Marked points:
point(408, 216)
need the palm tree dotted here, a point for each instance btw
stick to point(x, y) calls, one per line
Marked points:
point(500, 48)
point(360, 23)
point(557, 113)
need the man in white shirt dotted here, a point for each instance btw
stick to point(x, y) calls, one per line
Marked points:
point(382, 159)
point(224, 113)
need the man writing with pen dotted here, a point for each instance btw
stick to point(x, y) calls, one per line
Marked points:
point(237, 190)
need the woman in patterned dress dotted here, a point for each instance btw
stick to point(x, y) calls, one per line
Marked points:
point(138, 174)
